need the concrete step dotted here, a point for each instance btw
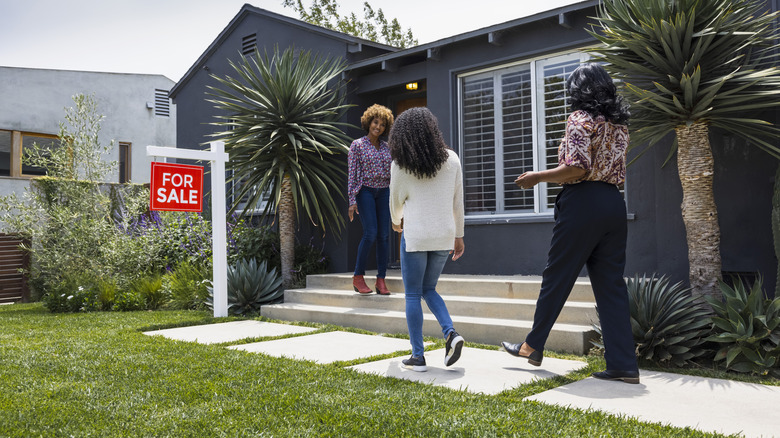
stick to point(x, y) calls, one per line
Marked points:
point(574, 312)
point(494, 286)
point(569, 338)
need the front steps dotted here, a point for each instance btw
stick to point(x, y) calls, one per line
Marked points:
point(485, 309)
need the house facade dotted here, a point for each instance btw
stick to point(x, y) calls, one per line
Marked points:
point(499, 96)
point(136, 107)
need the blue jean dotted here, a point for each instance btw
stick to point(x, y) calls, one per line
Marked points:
point(421, 271)
point(374, 213)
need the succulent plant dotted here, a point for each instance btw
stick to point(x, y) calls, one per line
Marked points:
point(668, 325)
point(250, 285)
point(746, 324)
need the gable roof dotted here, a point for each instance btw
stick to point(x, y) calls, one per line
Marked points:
point(425, 50)
point(247, 10)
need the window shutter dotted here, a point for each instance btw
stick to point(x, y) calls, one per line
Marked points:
point(479, 169)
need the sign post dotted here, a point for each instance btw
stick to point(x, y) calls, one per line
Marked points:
point(180, 188)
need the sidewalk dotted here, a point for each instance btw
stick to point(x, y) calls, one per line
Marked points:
point(710, 405)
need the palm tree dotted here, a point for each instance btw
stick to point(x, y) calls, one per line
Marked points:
point(688, 66)
point(282, 131)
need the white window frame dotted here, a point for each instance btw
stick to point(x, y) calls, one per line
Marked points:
point(536, 66)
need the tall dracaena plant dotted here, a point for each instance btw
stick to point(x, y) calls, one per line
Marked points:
point(687, 66)
point(281, 116)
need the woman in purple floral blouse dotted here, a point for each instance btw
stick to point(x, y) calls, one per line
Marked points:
point(590, 222)
point(369, 195)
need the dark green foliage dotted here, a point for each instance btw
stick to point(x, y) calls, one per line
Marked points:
point(150, 289)
point(80, 291)
point(262, 243)
point(250, 285)
point(128, 300)
point(747, 327)
point(187, 287)
point(668, 325)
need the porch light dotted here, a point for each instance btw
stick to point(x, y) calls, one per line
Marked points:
point(411, 86)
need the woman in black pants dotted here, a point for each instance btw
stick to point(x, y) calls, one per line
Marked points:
point(590, 222)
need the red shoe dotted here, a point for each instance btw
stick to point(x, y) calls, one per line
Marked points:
point(360, 286)
point(381, 287)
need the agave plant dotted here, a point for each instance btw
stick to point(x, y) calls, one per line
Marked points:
point(668, 325)
point(747, 326)
point(250, 285)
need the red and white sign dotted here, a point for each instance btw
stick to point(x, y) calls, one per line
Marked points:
point(176, 187)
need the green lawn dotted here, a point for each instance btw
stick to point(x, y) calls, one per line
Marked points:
point(96, 374)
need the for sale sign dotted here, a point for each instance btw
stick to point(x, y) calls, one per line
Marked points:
point(176, 187)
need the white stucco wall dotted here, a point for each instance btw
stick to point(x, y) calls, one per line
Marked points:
point(34, 100)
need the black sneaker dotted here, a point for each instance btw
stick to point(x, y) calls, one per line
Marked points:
point(452, 348)
point(415, 363)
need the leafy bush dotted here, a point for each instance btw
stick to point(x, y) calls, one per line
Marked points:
point(747, 326)
point(128, 300)
point(186, 286)
point(262, 243)
point(250, 286)
point(73, 292)
point(150, 289)
point(668, 326)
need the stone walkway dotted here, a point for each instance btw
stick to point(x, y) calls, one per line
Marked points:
point(710, 405)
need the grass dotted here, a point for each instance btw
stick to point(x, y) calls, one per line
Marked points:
point(97, 374)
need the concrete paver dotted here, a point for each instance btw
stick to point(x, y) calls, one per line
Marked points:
point(328, 347)
point(711, 405)
point(229, 331)
point(477, 370)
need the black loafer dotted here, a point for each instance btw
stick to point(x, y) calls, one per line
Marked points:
point(534, 358)
point(626, 376)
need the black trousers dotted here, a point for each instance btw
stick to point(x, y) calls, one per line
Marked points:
point(590, 230)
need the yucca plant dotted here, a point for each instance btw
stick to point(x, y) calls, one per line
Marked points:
point(251, 285)
point(687, 66)
point(668, 325)
point(747, 326)
point(282, 128)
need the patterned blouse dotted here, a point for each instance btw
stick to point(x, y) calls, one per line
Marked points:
point(596, 145)
point(368, 166)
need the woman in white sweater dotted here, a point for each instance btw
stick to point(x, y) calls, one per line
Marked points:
point(426, 203)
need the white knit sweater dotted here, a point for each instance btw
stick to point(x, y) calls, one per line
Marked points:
point(432, 208)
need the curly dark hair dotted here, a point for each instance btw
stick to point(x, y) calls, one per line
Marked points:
point(377, 111)
point(592, 90)
point(416, 143)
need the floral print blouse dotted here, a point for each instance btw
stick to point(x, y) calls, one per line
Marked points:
point(596, 145)
point(368, 166)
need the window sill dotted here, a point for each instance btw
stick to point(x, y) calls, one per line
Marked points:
point(526, 219)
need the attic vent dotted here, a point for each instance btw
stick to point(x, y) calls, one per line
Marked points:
point(248, 44)
point(162, 104)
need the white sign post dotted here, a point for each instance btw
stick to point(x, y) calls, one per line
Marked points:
point(218, 158)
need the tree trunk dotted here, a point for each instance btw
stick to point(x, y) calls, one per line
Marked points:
point(696, 168)
point(287, 232)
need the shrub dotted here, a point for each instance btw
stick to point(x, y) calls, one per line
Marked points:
point(747, 327)
point(73, 292)
point(668, 326)
point(150, 289)
point(250, 285)
point(128, 300)
point(186, 287)
point(262, 243)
